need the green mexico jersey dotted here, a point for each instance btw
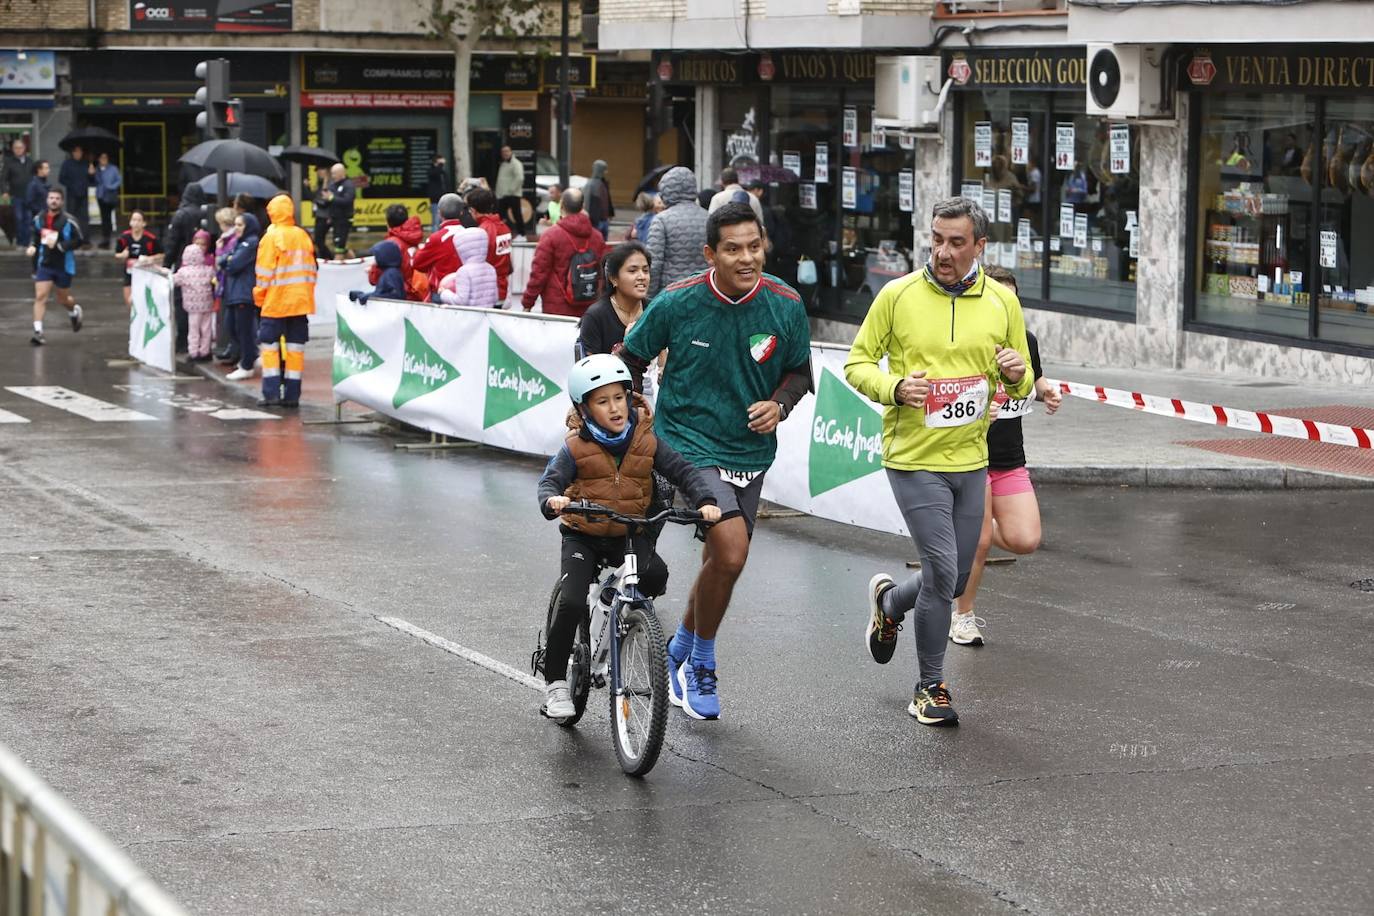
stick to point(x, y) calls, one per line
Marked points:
point(723, 356)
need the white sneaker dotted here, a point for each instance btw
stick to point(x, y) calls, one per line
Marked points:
point(240, 374)
point(558, 702)
point(257, 364)
point(963, 629)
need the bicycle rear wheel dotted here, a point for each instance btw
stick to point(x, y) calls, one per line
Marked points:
point(639, 703)
point(579, 662)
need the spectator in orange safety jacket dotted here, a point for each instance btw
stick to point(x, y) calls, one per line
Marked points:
point(285, 292)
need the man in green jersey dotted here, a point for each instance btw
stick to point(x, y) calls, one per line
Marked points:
point(949, 334)
point(739, 360)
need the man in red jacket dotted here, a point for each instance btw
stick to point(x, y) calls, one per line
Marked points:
point(482, 203)
point(572, 235)
point(405, 230)
point(436, 257)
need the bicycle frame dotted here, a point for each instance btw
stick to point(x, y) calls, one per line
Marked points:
point(624, 582)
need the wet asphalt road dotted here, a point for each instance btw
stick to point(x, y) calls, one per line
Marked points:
point(1172, 715)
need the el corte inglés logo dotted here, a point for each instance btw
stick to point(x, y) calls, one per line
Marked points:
point(513, 385)
point(351, 354)
point(846, 436)
point(423, 370)
point(154, 324)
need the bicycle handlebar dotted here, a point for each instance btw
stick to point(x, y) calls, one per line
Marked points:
point(589, 509)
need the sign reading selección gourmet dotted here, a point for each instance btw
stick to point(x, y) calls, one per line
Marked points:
point(1018, 68)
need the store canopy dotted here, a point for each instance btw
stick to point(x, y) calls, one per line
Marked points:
point(308, 155)
point(234, 156)
point(240, 183)
point(1232, 22)
point(97, 139)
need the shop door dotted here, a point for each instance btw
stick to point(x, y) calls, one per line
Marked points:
point(486, 154)
point(612, 131)
point(143, 164)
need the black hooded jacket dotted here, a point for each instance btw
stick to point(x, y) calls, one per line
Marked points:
point(189, 217)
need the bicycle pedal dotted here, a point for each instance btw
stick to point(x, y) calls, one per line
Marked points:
point(599, 681)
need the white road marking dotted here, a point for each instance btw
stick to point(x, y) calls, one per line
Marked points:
point(477, 658)
point(77, 403)
point(7, 417)
point(195, 403)
point(243, 413)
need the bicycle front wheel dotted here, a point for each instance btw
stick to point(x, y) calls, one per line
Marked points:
point(639, 703)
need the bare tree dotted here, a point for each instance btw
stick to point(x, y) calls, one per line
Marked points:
point(461, 24)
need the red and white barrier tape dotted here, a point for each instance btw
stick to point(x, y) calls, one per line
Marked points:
point(1216, 415)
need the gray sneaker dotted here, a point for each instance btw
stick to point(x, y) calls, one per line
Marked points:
point(75, 316)
point(558, 702)
point(880, 632)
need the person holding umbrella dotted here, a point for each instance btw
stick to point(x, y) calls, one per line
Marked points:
point(75, 179)
point(107, 184)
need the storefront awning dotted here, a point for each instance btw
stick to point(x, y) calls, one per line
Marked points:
point(1219, 22)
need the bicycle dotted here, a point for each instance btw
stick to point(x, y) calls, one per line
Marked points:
point(620, 643)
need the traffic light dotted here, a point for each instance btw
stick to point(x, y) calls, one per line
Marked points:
point(229, 114)
point(212, 97)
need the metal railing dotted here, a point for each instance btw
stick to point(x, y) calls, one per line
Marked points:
point(53, 860)
point(970, 8)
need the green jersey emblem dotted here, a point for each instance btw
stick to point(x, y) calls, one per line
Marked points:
point(351, 354)
point(846, 436)
point(513, 385)
point(423, 370)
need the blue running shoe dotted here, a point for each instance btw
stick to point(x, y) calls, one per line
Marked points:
point(699, 699)
point(674, 685)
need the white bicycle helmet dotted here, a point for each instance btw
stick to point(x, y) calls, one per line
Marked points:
point(594, 371)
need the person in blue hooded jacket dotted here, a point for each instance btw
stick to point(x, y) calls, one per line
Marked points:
point(240, 276)
point(391, 284)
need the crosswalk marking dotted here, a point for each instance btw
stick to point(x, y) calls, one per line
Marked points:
point(7, 417)
point(82, 405)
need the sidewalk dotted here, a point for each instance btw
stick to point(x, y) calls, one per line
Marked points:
point(1092, 443)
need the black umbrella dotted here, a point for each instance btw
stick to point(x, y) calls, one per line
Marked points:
point(234, 156)
point(239, 183)
point(650, 181)
point(308, 155)
point(90, 138)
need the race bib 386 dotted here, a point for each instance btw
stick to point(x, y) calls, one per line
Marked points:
point(956, 401)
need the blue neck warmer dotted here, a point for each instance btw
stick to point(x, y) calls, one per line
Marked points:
point(958, 289)
point(616, 445)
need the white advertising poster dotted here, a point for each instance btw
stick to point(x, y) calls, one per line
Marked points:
point(990, 202)
point(497, 377)
point(1080, 231)
point(1020, 141)
point(1066, 215)
point(152, 324)
point(822, 163)
point(1134, 249)
point(879, 138)
point(973, 190)
point(982, 145)
point(791, 161)
point(906, 140)
point(1003, 205)
point(1328, 249)
point(1063, 146)
point(1023, 235)
point(807, 193)
point(1121, 149)
point(906, 190)
point(335, 277)
point(849, 188)
point(851, 127)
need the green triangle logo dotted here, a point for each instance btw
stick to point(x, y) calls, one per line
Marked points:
point(423, 370)
point(513, 385)
point(154, 324)
point(351, 354)
point(846, 436)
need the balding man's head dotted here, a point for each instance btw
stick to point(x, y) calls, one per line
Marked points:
point(337, 172)
point(572, 201)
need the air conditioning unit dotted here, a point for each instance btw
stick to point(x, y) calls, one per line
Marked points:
point(1126, 81)
point(907, 92)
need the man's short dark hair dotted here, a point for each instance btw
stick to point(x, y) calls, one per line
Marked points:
point(729, 176)
point(732, 214)
point(396, 215)
point(57, 189)
point(39, 165)
point(481, 200)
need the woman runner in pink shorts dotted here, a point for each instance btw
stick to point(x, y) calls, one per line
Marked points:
point(1011, 517)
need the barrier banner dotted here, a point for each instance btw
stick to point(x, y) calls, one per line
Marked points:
point(152, 324)
point(497, 377)
point(333, 278)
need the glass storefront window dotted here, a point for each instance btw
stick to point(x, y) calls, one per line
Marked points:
point(1063, 197)
point(1345, 273)
point(1256, 169)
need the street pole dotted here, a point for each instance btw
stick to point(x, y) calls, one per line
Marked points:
point(564, 123)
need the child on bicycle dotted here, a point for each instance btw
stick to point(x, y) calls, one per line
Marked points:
point(609, 458)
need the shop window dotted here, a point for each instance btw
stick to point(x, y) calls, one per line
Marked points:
point(1256, 168)
point(837, 188)
point(1345, 275)
point(1093, 185)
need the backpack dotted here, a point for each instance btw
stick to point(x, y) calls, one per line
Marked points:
point(584, 276)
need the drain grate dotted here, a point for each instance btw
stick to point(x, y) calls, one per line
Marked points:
point(1364, 585)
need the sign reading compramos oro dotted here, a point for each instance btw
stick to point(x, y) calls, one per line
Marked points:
point(846, 436)
point(423, 370)
point(513, 385)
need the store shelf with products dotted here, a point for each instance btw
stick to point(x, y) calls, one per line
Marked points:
point(1246, 250)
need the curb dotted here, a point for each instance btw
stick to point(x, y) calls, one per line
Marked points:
point(1277, 477)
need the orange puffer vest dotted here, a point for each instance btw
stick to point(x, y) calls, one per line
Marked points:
point(627, 488)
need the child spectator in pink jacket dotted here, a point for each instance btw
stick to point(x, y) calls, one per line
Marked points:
point(196, 277)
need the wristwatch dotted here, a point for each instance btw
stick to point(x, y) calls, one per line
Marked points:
point(782, 411)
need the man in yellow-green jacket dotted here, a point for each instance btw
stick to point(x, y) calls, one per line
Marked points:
point(949, 335)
